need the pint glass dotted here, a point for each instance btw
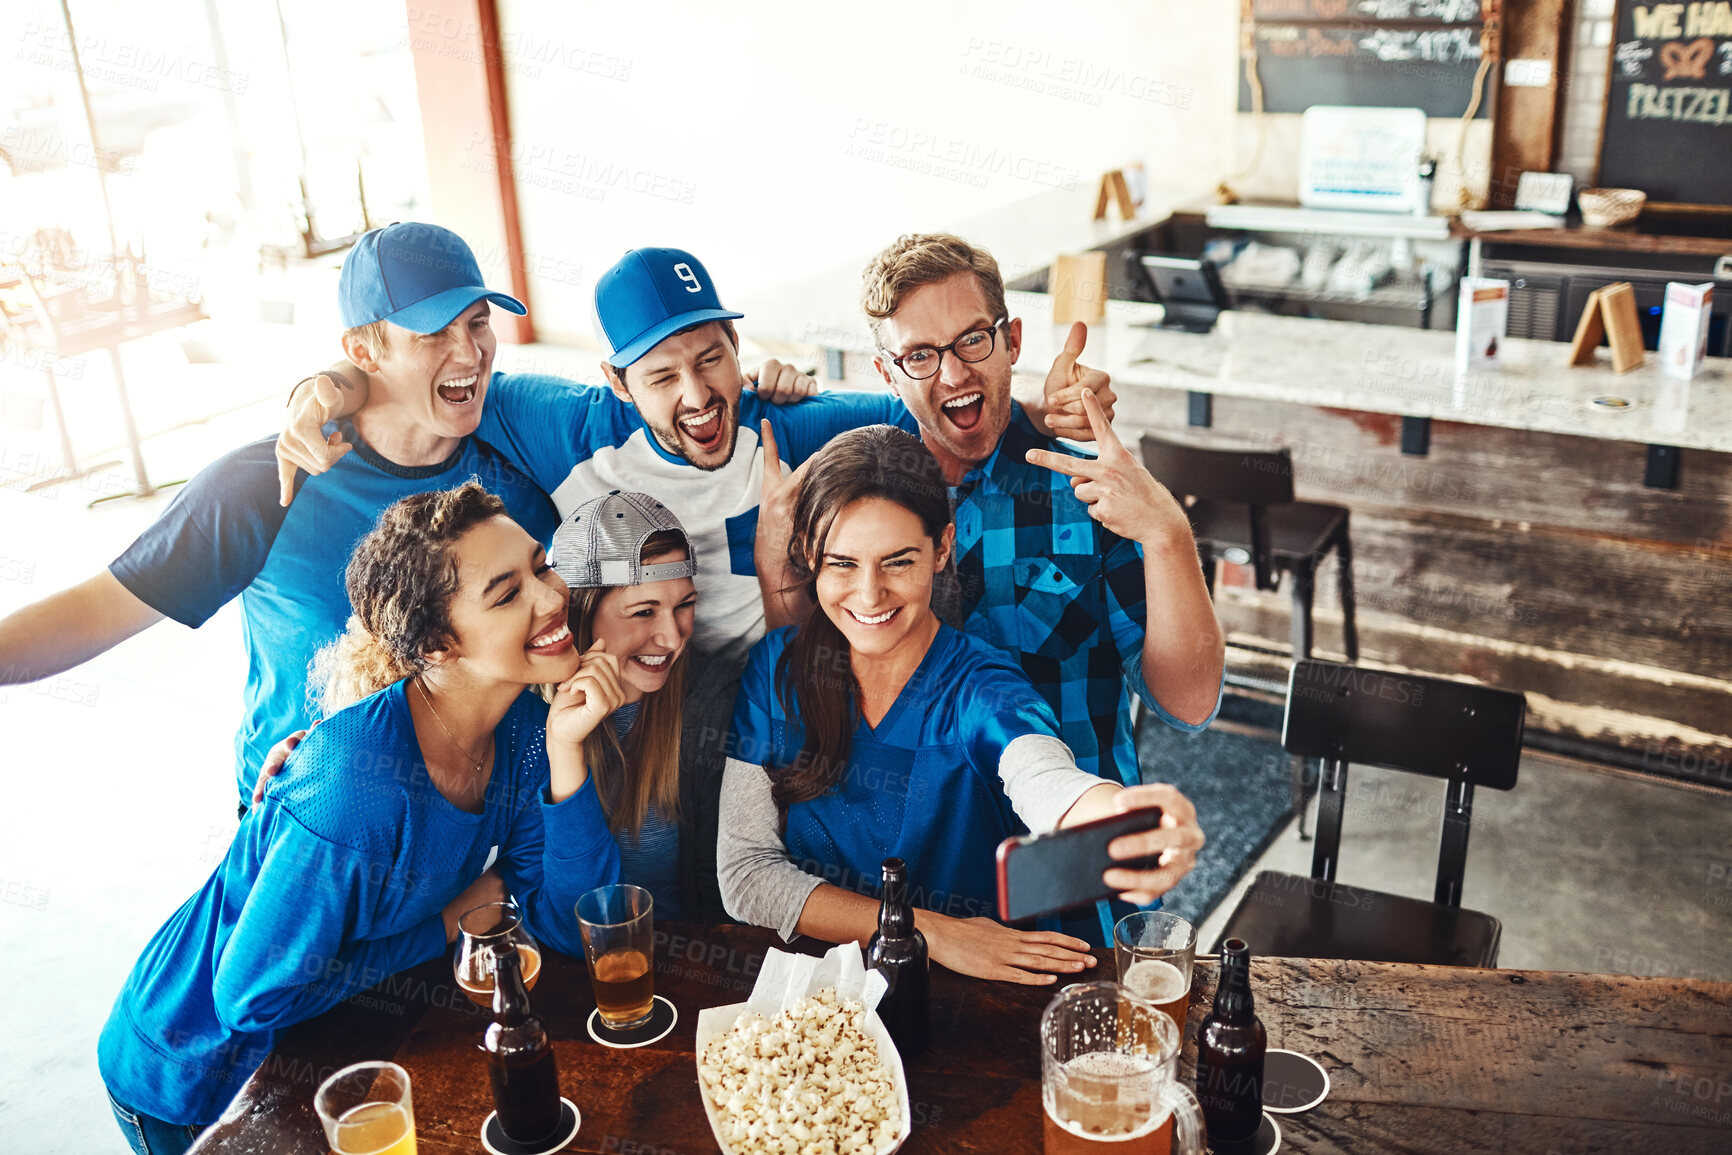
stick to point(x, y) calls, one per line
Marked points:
point(619, 943)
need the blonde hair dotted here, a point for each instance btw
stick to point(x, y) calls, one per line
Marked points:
point(371, 336)
point(400, 579)
point(918, 259)
point(645, 768)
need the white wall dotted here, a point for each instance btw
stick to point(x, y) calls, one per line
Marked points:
point(777, 139)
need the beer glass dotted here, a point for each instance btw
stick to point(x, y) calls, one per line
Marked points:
point(366, 1110)
point(1155, 952)
point(480, 932)
point(1108, 1062)
point(619, 943)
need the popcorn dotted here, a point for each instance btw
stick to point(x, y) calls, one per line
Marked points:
point(809, 1081)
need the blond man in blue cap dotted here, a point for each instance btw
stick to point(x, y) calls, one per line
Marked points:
point(416, 313)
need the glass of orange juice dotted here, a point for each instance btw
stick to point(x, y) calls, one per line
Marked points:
point(367, 1110)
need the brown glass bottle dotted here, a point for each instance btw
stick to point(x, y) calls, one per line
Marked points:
point(898, 951)
point(1230, 1048)
point(519, 1058)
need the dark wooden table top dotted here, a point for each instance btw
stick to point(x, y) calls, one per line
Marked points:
point(1420, 1058)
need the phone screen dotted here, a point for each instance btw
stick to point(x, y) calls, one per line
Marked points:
point(1042, 874)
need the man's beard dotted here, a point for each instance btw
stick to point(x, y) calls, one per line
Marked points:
point(674, 440)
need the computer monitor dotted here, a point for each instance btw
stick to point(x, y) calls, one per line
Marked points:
point(1188, 287)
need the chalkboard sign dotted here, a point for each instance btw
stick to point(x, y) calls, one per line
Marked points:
point(1366, 64)
point(1668, 127)
point(1361, 11)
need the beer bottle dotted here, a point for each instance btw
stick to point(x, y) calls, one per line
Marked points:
point(898, 951)
point(519, 1058)
point(1230, 1046)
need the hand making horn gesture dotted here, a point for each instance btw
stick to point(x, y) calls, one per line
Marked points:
point(1065, 383)
point(1120, 492)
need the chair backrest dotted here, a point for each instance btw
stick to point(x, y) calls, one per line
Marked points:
point(1467, 735)
point(1254, 478)
point(1247, 476)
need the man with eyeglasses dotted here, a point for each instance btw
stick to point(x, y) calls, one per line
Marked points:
point(1084, 568)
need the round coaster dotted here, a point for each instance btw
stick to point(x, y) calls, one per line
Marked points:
point(1266, 1141)
point(1292, 1082)
point(496, 1141)
point(662, 1018)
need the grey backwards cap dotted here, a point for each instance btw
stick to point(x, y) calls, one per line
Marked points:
point(601, 543)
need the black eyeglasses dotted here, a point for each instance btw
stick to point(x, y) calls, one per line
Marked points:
point(974, 345)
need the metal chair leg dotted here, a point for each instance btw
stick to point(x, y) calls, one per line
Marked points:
point(1344, 582)
point(1304, 577)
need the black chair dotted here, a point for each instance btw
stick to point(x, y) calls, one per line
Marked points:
point(1467, 735)
point(1243, 512)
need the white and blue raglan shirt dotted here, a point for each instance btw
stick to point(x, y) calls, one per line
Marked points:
point(578, 442)
point(224, 535)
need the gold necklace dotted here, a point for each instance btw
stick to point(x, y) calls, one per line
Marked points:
point(425, 697)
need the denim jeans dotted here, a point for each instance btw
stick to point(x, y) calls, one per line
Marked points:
point(149, 1135)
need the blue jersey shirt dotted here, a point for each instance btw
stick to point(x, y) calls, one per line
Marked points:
point(226, 535)
point(334, 882)
point(922, 785)
point(580, 441)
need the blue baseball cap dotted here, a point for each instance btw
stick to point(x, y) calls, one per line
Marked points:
point(648, 296)
point(416, 276)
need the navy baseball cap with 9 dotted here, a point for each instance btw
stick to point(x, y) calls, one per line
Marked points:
point(416, 276)
point(648, 296)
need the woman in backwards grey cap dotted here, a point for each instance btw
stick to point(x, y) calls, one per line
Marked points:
point(630, 566)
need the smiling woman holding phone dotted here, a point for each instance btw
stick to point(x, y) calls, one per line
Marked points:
point(873, 730)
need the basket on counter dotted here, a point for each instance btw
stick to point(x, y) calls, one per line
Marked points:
point(1604, 207)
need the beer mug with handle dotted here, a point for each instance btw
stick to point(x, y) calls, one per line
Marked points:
point(1108, 1074)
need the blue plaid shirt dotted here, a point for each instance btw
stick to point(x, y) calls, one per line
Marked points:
point(1043, 580)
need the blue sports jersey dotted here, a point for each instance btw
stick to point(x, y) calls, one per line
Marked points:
point(334, 882)
point(922, 785)
point(578, 442)
point(225, 534)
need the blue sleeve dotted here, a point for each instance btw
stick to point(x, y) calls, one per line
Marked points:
point(999, 705)
point(211, 541)
point(545, 424)
point(1127, 613)
point(755, 737)
point(293, 954)
point(805, 427)
point(555, 853)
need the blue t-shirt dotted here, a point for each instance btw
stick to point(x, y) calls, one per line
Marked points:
point(334, 882)
point(225, 534)
point(579, 441)
point(922, 785)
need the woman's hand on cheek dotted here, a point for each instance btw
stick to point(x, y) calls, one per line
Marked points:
point(585, 699)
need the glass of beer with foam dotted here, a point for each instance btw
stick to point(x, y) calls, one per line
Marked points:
point(1155, 951)
point(619, 944)
point(1108, 1082)
point(481, 932)
point(366, 1110)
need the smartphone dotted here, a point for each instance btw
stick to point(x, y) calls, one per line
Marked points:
point(1041, 874)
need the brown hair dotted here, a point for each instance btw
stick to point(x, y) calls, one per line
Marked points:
point(815, 678)
point(653, 746)
point(918, 259)
point(400, 579)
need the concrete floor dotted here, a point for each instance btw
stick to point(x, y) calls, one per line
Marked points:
point(118, 797)
point(1588, 869)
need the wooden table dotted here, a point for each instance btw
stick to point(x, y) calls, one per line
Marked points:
point(1420, 1058)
